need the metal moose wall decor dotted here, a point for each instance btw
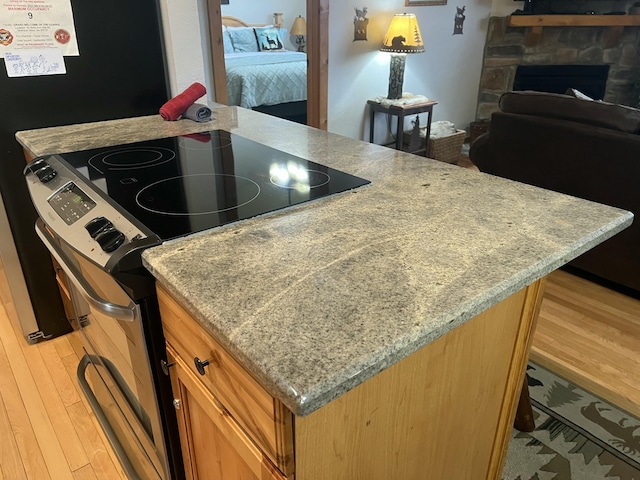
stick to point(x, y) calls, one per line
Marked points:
point(360, 22)
point(458, 20)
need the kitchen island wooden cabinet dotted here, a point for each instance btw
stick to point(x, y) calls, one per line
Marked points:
point(444, 412)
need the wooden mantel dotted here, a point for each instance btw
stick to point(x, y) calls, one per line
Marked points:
point(537, 22)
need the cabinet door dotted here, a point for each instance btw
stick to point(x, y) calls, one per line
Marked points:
point(213, 445)
point(264, 419)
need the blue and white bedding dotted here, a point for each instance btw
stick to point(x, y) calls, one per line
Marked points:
point(266, 78)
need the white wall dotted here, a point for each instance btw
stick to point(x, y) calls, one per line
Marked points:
point(448, 71)
point(186, 39)
point(502, 8)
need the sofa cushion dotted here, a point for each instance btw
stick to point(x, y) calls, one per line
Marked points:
point(565, 107)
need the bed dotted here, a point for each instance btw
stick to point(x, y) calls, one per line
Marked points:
point(261, 73)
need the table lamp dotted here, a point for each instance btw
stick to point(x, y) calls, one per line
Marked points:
point(402, 37)
point(299, 29)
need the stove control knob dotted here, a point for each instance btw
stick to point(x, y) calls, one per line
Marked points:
point(97, 225)
point(46, 174)
point(41, 169)
point(36, 165)
point(110, 239)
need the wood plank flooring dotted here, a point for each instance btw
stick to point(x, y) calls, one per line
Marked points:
point(47, 430)
point(591, 336)
point(587, 333)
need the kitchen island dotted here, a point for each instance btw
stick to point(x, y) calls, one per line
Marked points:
point(390, 325)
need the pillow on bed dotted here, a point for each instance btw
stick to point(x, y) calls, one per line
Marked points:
point(283, 34)
point(243, 39)
point(226, 41)
point(268, 39)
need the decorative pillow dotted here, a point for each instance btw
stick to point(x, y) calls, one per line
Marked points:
point(268, 39)
point(243, 39)
point(226, 41)
point(564, 107)
point(283, 34)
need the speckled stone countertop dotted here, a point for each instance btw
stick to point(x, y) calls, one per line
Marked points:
point(318, 298)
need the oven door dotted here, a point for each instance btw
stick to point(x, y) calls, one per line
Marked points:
point(114, 373)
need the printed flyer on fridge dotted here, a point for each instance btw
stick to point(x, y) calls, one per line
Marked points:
point(37, 25)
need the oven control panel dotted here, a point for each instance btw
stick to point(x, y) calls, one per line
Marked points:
point(71, 203)
point(77, 213)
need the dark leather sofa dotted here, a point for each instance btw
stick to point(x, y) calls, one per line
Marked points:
point(583, 148)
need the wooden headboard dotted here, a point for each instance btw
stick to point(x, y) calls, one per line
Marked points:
point(229, 21)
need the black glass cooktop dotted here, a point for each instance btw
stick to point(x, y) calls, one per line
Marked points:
point(182, 185)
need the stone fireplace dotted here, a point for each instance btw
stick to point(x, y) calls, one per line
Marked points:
point(509, 47)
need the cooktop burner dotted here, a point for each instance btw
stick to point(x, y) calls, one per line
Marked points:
point(158, 197)
point(182, 185)
point(298, 178)
point(130, 158)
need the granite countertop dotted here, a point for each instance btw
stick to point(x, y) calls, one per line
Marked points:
point(316, 299)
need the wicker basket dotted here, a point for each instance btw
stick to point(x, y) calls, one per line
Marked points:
point(447, 149)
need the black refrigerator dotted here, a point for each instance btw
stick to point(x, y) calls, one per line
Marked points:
point(120, 72)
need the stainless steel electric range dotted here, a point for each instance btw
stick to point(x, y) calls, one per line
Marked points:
point(99, 209)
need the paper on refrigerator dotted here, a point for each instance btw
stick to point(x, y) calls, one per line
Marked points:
point(31, 63)
point(37, 25)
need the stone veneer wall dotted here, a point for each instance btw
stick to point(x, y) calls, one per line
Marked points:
point(506, 48)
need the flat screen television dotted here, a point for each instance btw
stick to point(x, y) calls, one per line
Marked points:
point(573, 7)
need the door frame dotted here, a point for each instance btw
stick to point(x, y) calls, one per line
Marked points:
point(317, 59)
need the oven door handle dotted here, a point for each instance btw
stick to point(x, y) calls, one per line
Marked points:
point(128, 313)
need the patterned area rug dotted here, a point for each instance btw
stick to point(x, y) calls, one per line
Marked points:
point(578, 436)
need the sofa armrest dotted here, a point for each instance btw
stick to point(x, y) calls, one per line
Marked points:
point(479, 151)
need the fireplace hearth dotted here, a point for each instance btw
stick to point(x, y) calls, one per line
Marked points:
point(507, 49)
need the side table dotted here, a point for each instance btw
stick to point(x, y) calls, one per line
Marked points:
point(401, 111)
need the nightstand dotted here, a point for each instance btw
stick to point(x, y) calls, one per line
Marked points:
point(401, 110)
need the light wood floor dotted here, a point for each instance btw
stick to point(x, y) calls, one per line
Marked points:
point(591, 335)
point(47, 431)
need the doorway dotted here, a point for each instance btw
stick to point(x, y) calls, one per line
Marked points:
point(317, 58)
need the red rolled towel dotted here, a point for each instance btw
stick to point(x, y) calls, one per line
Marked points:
point(174, 108)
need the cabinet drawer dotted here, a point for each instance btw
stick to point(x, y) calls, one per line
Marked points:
point(267, 422)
